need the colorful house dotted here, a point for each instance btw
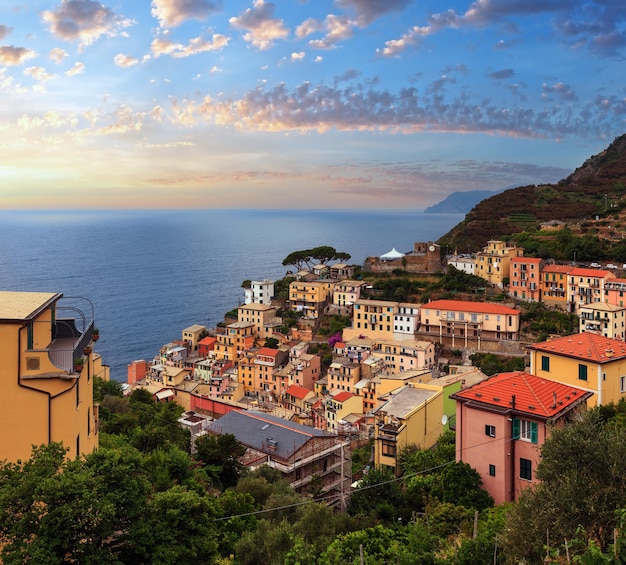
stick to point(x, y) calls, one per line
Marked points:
point(461, 323)
point(591, 362)
point(525, 278)
point(554, 285)
point(409, 415)
point(603, 319)
point(46, 395)
point(502, 422)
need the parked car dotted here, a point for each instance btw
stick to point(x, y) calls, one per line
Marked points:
point(611, 266)
point(595, 265)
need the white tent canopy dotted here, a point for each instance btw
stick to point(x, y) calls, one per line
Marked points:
point(393, 254)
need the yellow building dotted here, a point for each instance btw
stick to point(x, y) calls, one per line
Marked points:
point(45, 396)
point(373, 319)
point(340, 406)
point(554, 285)
point(263, 316)
point(410, 415)
point(310, 298)
point(400, 356)
point(191, 335)
point(347, 292)
point(494, 261)
point(588, 361)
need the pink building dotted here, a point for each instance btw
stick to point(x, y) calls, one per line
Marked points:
point(502, 422)
point(525, 278)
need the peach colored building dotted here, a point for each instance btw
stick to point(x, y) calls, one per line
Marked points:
point(461, 323)
point(268, 383)
point(525, 278)
point(347, 292)
point(310, 298)
point(554, 285)
point(603, 319)
point(615, 291)
point(263, 316)
point(586, 286)
point(502, 422)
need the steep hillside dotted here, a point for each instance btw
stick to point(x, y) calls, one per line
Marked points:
point(595, 188)
point(460, 202)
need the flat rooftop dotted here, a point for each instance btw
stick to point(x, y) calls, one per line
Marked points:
point(24, 305)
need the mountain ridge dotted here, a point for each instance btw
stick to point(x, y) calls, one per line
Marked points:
point(595, 188)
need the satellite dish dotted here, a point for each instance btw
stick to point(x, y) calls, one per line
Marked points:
point(444, 419)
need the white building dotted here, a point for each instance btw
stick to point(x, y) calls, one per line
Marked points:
point(260, 292)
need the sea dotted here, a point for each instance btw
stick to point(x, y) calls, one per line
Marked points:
point(150, 274)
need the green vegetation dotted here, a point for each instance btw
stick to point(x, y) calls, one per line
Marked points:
point(491, 364)
point(322, 254)
point(541, 322)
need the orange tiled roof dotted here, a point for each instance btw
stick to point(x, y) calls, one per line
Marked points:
point(467, 306)
point(267, 351)
point(587, 346)
point(557, 268)
point(298, 391)
point(618, 281)
point(582, 272)
point(526, 260)
point(207, 340)
point(533, 395)
point(343, 396)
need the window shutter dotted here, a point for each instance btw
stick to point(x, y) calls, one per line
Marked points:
point(515, 428)
point(534, 432)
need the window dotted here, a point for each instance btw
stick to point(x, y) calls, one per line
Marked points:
point(525, 430)
point(582, 372)
point(490, 430)
point(492, 470)
point(545, 363)
point(622, 384)
point(29, 336)
point(388, 448)
point(525, 469)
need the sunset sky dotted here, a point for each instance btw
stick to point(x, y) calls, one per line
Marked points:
point(301, 104)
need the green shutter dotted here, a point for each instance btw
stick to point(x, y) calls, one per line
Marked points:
point(515, 428)
point(534, 432)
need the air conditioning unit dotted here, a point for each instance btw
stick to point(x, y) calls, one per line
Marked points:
point(32, 363)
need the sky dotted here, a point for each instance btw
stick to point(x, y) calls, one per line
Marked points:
point(338, 104)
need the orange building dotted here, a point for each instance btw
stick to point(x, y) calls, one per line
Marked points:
point(46, 394)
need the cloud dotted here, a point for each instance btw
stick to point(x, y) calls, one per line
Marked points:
point(297, 56)
point(172, 13)
point(57, 54)
point(125, 61)
point(338, 28)
point(84, 21)
point(77, 69)
point(369, 10)
point(196, 45)
point(10, 55)
point(307, 27)
point(597, 24)
point(39, 74)
point(356, 107)
point(563, 91)
point(502, 74)
point(4, 31)
point(262, 28)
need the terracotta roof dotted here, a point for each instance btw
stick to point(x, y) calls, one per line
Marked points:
point(597, 273)
point(587, 346)
point(267, 351)
point(526, 260)
point(467, 306)
point(343, 396)
point(557, 268)
point(207, 340)
point(533, 395)
point(298, 391)
point(618, 281)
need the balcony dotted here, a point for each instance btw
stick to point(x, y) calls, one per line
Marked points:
point(71, 332)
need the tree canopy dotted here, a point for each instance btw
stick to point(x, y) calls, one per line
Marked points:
point(321, 254)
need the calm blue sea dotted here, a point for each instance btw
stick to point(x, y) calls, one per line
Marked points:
point(150, 274)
